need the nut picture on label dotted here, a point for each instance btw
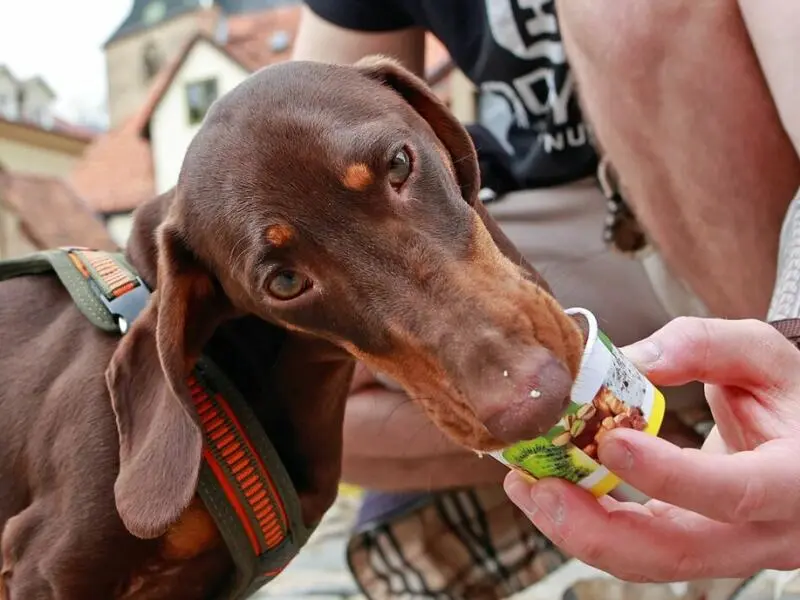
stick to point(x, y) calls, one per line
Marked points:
point(592, 421)
point(577, 428)
point(562, 439)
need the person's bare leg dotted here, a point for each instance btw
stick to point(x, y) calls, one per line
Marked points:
point(676, 98)
point(774, 27)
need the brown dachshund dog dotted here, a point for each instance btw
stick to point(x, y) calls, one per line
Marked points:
point(323, 214)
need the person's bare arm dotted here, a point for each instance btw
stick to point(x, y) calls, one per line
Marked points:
point(320, 40)
point(391, 445)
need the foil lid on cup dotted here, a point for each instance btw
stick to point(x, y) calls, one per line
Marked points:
point(609, 392)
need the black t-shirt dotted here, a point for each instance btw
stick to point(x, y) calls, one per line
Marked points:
point(512, 50)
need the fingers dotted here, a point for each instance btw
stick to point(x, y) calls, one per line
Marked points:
point(634, 545)
point(760, 485)
point(746, 353)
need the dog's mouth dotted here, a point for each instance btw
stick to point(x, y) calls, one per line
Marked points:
point(502, 389)
point(530, 399)
point(512, 405)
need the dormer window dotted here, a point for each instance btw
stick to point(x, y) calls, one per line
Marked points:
point(8, 106)
point(30, 100)
point(40, 115)
point(9, 95)
point(36, 101)
point(200, 95)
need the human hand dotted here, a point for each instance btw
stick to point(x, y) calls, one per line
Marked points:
point(727, 510)
point(391, 445)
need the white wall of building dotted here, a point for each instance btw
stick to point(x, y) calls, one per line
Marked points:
point(170, 129)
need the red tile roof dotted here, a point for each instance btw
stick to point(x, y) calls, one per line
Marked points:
point(51, 213)
point(116, 171)
point(249, 36)
point(116, 174)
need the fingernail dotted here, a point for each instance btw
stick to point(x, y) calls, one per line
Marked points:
point(616, 455)
point(520, 494)
point(643, 354)
point(549, 503)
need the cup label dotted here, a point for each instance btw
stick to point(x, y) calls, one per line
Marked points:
point(608, 393)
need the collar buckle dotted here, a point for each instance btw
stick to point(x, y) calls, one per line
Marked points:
point(126, 307)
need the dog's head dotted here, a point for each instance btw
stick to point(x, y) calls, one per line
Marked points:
point(339, 202)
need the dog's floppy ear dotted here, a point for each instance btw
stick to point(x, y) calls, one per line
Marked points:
point(447, 128)
point(160, 441)
point(454, 137)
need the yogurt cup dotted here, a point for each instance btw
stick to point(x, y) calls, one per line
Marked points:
point(608, 393)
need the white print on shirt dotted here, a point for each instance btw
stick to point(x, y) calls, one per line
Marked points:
point(530, 39)
point(506, 30)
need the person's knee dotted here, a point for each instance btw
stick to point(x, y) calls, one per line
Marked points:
point(628, 36)
point(620, 54)
point(773, 30)
point(607, 32)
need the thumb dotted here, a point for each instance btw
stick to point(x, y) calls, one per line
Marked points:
point(747, 353)
point(644, 354)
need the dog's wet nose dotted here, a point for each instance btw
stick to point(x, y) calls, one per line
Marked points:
point(535, 399)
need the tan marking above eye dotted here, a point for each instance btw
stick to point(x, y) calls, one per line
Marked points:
point(358, 177)
point(279, 235)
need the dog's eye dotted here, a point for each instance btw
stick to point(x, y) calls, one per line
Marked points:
point(286, 284)
point(399, 168)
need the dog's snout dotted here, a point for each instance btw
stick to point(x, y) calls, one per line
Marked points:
point(534, 400)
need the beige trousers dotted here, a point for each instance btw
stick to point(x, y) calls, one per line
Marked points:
point(560, 231)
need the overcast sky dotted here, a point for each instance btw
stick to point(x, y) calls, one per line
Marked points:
point(61, 41)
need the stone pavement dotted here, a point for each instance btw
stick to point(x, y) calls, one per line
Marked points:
point(320, 573)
